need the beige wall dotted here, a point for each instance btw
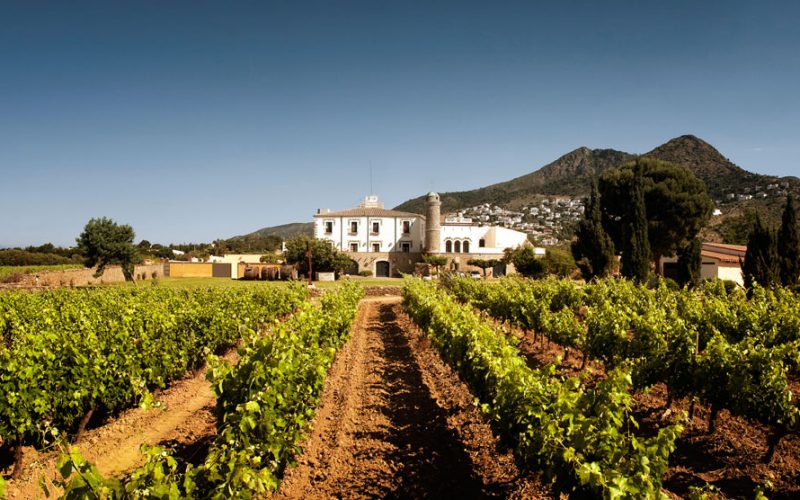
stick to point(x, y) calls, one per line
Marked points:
point(732, 272)
point(83, 277)
point(190, 269)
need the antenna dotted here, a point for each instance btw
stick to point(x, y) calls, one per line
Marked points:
point(371, 188)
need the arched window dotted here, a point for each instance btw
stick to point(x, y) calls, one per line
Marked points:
point(448, 246)
point(466, 247)
point(457, 247)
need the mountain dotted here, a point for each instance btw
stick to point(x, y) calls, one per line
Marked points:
point(571, 175)
point(286, 231)
point(720, 175)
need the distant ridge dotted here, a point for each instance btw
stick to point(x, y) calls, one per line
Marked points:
point(286, 231)
point(571, 175)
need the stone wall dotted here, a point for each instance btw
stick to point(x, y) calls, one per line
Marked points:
point(83, 277)
point(401, 262)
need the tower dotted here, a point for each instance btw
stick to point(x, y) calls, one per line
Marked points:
point(432, 223)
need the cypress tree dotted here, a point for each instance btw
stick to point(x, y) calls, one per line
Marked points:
point(760, 263)
point(636, 250)
point(789, 245)
point(593, 249)
point(690, 262)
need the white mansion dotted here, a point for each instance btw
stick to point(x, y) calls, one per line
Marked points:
point(387, 242)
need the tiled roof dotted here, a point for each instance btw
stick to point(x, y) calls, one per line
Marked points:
point(722, 257)
point(368, 212)
point(739, 248)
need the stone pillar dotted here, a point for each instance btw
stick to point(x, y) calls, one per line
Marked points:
point(433, 223)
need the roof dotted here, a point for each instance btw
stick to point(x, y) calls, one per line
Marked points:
point(722, 257)
point(740, 248)
point(368, 212)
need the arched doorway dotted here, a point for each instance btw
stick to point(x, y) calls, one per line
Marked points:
point(466, 246)
point(457, 246)
point(382, 269)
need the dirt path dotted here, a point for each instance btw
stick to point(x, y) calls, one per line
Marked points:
point(185, 421)
point(394, 421)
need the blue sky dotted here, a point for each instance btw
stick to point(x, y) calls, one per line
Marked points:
point(198, 120)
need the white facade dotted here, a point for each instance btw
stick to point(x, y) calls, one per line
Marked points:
point(466, 238)
point(371, 229)
point(718, 261)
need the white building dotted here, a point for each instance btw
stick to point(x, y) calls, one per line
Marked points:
point(468, 238)
point(371, 228)
point(718, 261)
point(376, 239)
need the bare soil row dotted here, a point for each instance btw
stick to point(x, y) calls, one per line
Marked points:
point(395, 422)
point(730, 459)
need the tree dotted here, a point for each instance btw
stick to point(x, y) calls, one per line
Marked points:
point(271, 258)
point(526, 262)
point(690, 262)
point(593, 249)
point(636, 245)
point(760, 263)
point(324, 257)
point(676, 203)
point(789, 245)
point(559, 262)
point(104, 242)
point(483, 264)
point(436, 261)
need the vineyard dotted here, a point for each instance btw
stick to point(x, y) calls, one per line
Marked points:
point(509, 388)
point(712, 346)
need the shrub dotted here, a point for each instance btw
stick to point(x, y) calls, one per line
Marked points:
point(365, 273)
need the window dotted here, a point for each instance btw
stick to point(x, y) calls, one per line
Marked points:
point(376, 247)
point(406, 226)
point(354, 247)
point(376, 227)
point(448, 246)
point(466, 247)
point(457, 247)
point(328, 226)
point(353, 226)
point(405, 246)
point(481, 243)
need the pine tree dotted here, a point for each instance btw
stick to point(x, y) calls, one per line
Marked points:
point(593, 249)
point(789, 245)
point(690, 262)
point(636, 252)
point(760, 263)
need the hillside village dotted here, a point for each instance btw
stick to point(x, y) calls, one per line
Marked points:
point(551, 220)
point(548, 221)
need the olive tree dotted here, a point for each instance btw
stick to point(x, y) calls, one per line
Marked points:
point(103, 242)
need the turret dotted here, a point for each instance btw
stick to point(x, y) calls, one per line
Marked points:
point(433, 228)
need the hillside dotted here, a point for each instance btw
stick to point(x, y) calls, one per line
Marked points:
point(571, 176)
point(720, 175)
point(285, 231)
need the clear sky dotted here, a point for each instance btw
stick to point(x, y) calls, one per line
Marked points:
point(198, 120)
